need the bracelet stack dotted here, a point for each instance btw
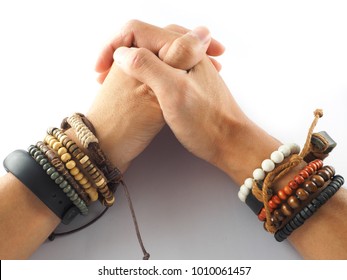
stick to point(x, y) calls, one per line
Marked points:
point(286, 209)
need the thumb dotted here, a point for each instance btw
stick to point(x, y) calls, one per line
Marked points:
point(188, 50)
point(146, 67)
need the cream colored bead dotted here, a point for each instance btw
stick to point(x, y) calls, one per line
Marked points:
point(268, 165)
point(249, 183)
point(57, 145)
point(92, 193)
point(83, 181)
point(70, 164)
point(258, 174)
point(244, 190)
point(84, 159)
point(87, 186)
point(242, 197)
point(74, 171)
point(52, 141)
point(79, 177)
point(62, 151)
point(277, 157)
point(65, 158)
point(99, 183)
point(110, 201)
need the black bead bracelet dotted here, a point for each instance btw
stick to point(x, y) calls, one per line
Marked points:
point(299, 219)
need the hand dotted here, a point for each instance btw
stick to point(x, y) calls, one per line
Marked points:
point(201, 112)
point(181, 54)
point(127, 106)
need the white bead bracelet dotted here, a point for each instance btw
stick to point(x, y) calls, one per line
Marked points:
point(267, 166)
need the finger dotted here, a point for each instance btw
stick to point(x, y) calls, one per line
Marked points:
point(101, 77)
point(135, 34)
point(139, 34)
point(186, 51)
point(147, 68)
point(214, 49)
point(216, 64)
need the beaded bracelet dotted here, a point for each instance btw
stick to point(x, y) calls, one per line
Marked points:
point(85, 132)
point(54, 174)
point(54, 159)
point(259, 174)
point(310, 186)
point(92, 176)
point(292, 185)
point(310, 209)
point(70, 165)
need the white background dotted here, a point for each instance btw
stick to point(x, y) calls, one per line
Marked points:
point(283, 59)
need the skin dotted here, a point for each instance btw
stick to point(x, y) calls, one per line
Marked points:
point(201, 112)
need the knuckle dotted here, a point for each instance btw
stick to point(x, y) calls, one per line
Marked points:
point(139, 59)
point(183, 48)
point(131, 24)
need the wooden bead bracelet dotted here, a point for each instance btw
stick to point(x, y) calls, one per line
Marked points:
point(292, 185)
point(293, 202)
point(59, 179)
point(299, 219)
point(86, 134)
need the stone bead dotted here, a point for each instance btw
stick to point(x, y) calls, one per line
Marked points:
point(319, 163)
point(63, 184)
point(59, 180)
point(277, 157)
point(310, 187)
point(67, 189)
point(294, 148)
point(55, 175)
point(52, 141)
point(285, 150)
point(287, 190)
point(50, 170)
point(87, 186)
point(293, 185)
point(258, 174)
point(249, 183)
point(293, 202)
point(318, 180)
point(46, 166)
point(74, 197)
point(110, 201)
point(276, 199)
point(74, 171)
point(242, 197)
point(278, 215)
point(37, 153)
point(286, 210)
point(268, 165)
point(62, 151)
point(281, 194)
point(70, 193)
point(299, 179)
point(313, 165)
point(70, 164)
point(39, 158)
point(65, 157)
point(304, 174)
point(324, 174)
point(43, 161)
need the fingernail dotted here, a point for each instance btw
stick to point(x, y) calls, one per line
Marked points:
point(120, 54)
point(202, 33)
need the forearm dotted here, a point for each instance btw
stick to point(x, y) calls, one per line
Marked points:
point(25, 221)
point(323, 236)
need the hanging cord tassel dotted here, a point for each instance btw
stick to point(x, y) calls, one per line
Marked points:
point(266, 193)
point(146, 255)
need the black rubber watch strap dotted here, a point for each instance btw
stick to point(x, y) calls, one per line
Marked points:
point(31, 174)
